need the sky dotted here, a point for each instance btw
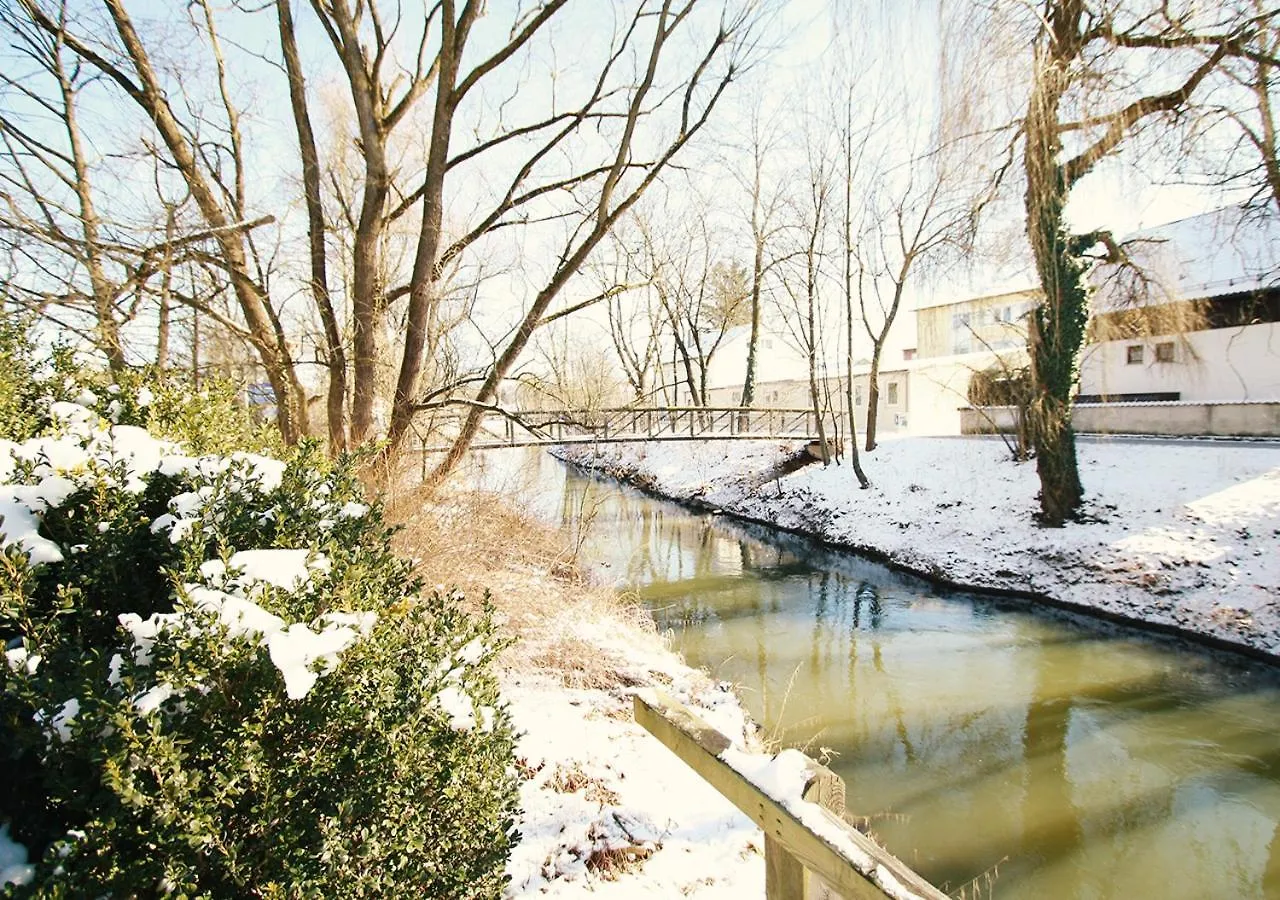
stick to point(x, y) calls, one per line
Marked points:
point(789, 79)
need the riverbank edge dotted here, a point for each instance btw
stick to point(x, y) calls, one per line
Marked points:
point(634, 477)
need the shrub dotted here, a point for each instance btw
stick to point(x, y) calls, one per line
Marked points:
point(1000, 386)
point(222, 682)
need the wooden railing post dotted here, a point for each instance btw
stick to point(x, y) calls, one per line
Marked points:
point(827, 856)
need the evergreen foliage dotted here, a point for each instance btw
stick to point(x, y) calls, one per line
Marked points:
point(158, 736)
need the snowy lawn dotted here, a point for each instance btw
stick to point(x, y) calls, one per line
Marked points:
point(1186, 535)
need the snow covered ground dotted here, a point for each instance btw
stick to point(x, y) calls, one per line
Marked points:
point(1184, 534)
point(608, 810)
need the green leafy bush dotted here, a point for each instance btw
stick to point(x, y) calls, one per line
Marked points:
point(220, 681)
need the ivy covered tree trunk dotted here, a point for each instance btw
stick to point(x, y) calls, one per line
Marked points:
point(1069, 46)
point(1057, 324)
point(1057, 334)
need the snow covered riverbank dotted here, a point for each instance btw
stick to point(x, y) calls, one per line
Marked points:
point(608, 810)
point(605, 808)
point(1185, 536)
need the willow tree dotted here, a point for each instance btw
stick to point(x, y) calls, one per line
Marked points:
point(1085, 55)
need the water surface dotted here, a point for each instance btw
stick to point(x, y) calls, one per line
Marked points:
point(1024, 753)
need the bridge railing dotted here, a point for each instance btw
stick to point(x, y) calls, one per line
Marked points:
point(643, 423)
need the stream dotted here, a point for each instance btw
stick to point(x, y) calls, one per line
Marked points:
point(1012, 751)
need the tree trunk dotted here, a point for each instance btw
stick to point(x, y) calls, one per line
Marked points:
point(873, 399)
point(753, 343)
point(291, 408)
point(166, 283)
point(337, 392)
point(367, 287)
point(1057, 325)
point(815, 398)
point(103, 295)
point(852, 438)
point(424, 280)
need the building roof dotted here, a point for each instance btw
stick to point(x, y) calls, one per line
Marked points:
point(1226, 251)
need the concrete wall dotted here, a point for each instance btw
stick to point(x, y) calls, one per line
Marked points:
point(1251, 419)
point(940, 387)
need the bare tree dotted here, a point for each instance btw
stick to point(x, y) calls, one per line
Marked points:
point(701, 298)
point(695, 96)
point(802, 309)
point(87, 274)
point(213, 170)
point(579, 374)
point(1244, 101)
point(573, 158)
point(634, 316)
point(766, 200)
point(852, 145)
point(915, 216)
point(335, 351)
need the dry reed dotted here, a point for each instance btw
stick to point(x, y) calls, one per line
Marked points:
point(480, 541)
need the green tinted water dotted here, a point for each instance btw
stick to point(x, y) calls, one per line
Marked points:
point(1043, 755)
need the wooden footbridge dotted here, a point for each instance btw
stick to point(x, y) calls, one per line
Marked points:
point(531, 428)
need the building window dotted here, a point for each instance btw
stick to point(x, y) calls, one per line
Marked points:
point(893, 393)
point(857, 395)
point(1164, 352)
point(1133, 355)
point(909, 355)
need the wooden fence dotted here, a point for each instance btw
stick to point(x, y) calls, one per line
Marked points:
point(801, 862)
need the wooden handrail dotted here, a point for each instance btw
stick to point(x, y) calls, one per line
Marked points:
point(809, 847)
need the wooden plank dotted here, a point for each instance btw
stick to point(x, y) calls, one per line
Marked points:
point(783, 873)
point(700, 746)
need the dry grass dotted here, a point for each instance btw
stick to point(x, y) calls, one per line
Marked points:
point(983, 886)
point(571, 778)
point(611, 863)
point(480, 541)
point(618, 845)
point(579, 664)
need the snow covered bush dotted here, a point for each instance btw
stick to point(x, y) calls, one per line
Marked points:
point(220, 681)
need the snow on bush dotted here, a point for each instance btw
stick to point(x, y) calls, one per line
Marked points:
point(219, 681)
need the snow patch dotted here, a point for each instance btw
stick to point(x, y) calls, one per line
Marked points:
point(289, 570)
point(296, 649)
point(457, 705)
point(14, 868)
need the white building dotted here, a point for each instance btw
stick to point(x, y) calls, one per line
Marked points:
point(1200, 325)
point(1206, 327)
point(782, 373)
